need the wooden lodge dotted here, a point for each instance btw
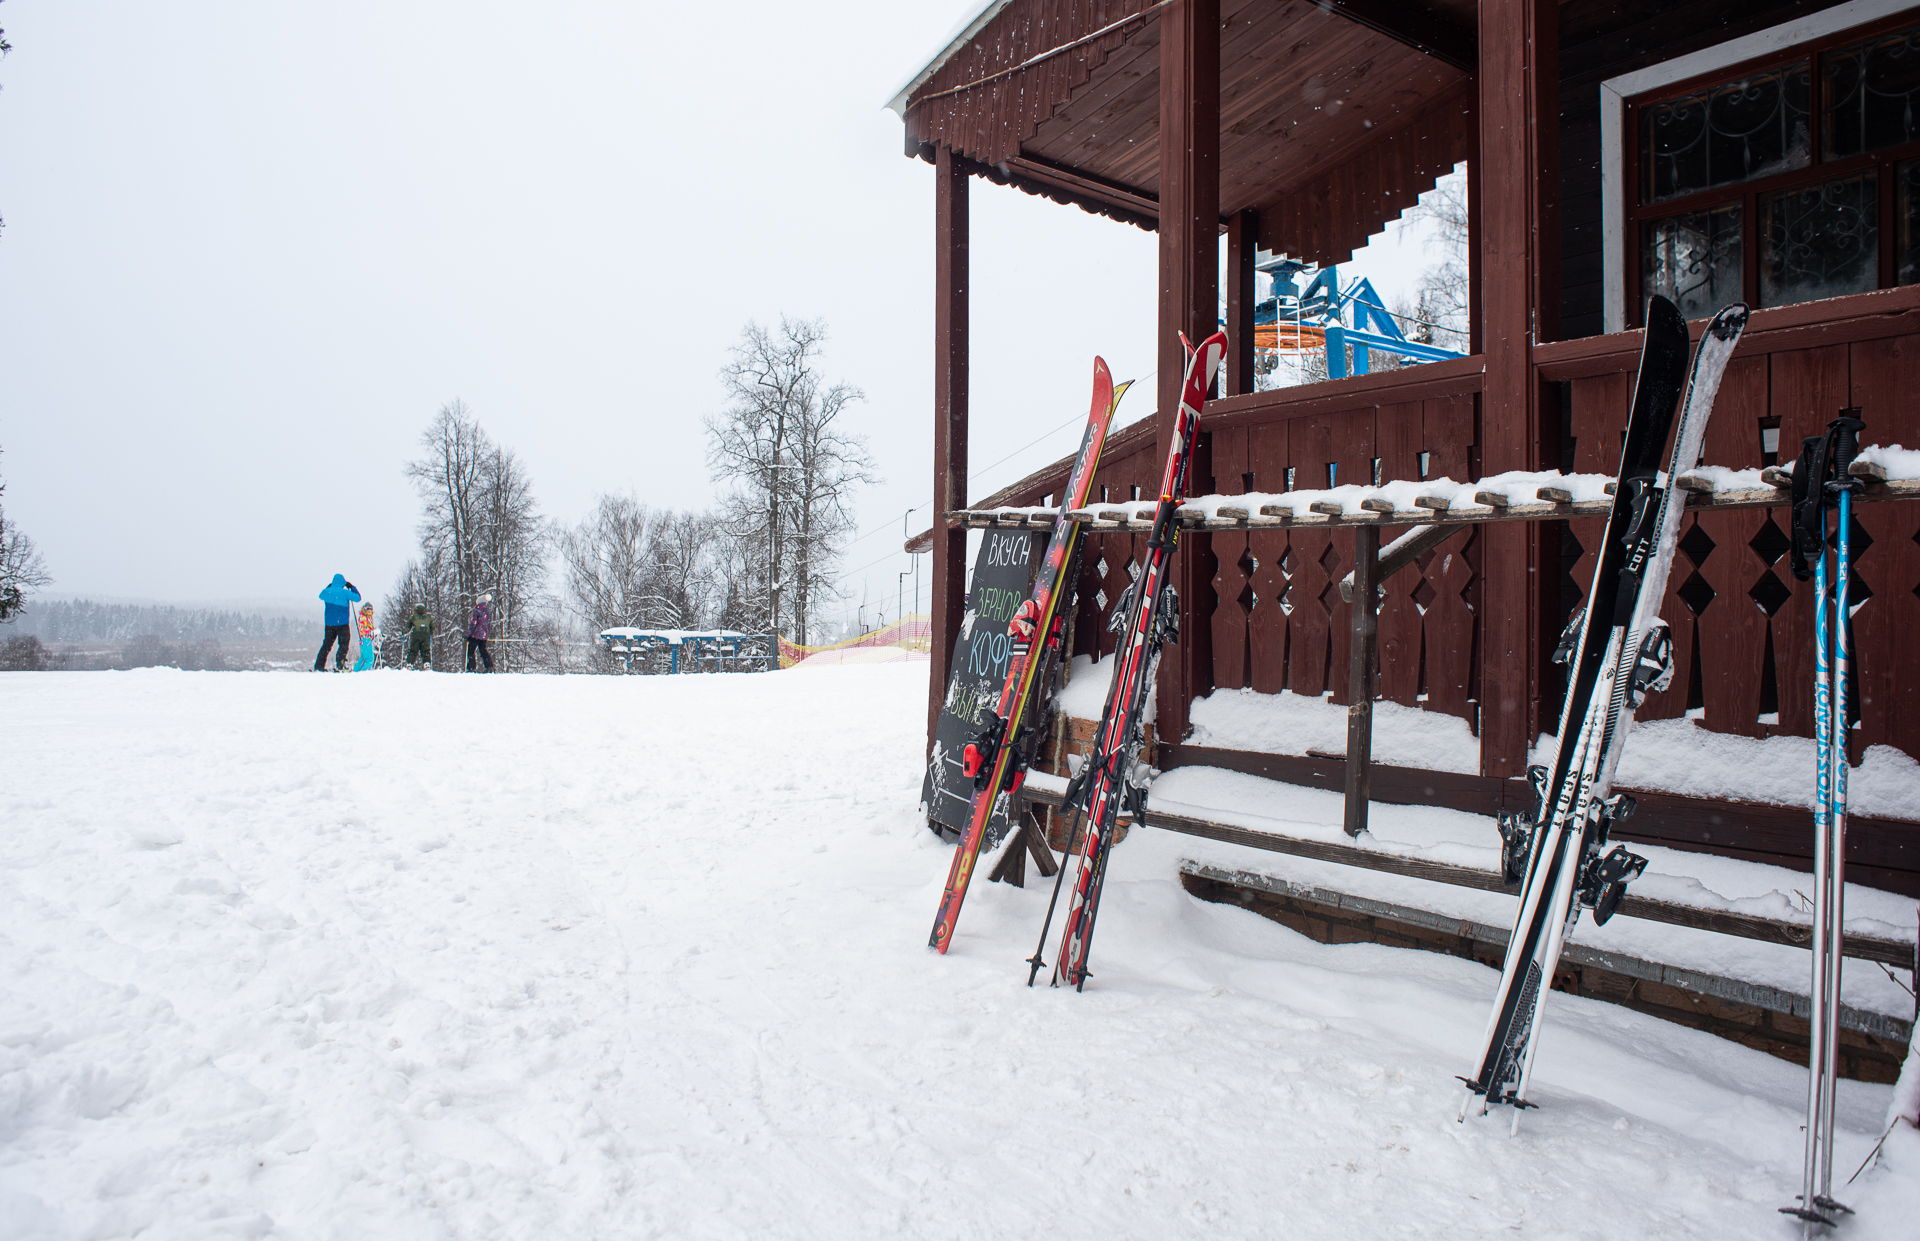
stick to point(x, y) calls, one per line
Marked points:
point(1765, 151)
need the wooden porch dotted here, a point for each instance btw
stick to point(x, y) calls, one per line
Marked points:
point(1198, 118)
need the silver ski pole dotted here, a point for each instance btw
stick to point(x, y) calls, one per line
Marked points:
point(1832, 660)
point(1846, 443)
point(1837, 847)
point(1822, 835)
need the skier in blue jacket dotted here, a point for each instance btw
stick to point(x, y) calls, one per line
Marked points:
point(336, 596)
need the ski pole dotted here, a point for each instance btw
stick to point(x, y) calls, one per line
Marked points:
point(1846, 430)
point(1076, 817)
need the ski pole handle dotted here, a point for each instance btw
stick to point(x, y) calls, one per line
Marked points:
point(1846, 446)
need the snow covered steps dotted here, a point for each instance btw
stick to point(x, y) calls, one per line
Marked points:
point(1047, 791)
point(1232, 884)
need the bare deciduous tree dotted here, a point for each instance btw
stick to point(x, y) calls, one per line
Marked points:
point(627, 566)
point(480, 533)
point(605, 563)
point(22, 571)
point(513, 541)
point(1441, 297)
point(684, 582)
point(794, 465)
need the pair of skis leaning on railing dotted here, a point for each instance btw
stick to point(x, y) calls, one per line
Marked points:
point(1144, 619)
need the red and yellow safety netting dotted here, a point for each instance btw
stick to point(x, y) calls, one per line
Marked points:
point(907, 638)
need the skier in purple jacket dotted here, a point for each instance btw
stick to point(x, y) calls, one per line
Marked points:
point(479, 629)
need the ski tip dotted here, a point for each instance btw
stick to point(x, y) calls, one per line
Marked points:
point(1119, 390)
point(1212, 351)
point(1730, 322)
point(1663, 316)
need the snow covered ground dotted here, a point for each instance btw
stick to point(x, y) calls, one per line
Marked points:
point(410, 955)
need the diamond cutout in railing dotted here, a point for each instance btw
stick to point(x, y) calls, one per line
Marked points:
point(1248, 565)
point(1286, 601)
point(1698, 545)
point(1424, 594)
point(1100, 597)
point(1133, 569)
point(1770, 543)
point(1770, 593)
point(1286, 561)
point(1571, 548)
point(1329, 597)
point(1330, 560)
point(1858, 539)
point(1695, 592)
point(1101, 566)
point(1858, 592)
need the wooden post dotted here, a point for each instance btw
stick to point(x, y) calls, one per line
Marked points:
point(1518, 244)
point(1243, 243)
point(949, 570)
point(1362, 673)
point(1190, 303)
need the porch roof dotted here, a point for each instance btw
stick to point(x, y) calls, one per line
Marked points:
point(1334, 117)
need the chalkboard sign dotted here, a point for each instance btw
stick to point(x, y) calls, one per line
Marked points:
point(1002, 580)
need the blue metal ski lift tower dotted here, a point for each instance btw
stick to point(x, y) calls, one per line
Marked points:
point(1323, 315)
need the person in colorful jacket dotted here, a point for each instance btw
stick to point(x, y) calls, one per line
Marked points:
point(336, 596)
point(369, 640)
point(479, 629)
point(420, 638)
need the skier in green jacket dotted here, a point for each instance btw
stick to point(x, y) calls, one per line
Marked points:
point(420, 637)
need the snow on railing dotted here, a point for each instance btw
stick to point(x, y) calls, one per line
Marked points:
point(1890, 472)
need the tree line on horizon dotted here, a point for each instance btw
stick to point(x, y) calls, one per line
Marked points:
point(761, 560)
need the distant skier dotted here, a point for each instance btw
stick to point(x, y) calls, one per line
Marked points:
point(336, 596)
point(420, 638)
point(479, 629)
point(369, 640)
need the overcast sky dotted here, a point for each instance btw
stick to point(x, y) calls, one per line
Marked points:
point(251, 248)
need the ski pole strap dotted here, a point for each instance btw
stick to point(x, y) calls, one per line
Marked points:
point(1809, 506)
point(1821, 475)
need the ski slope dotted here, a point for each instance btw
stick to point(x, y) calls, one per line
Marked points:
point(410, 955)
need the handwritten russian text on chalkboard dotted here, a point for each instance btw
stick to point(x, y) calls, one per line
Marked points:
point(1002, 581)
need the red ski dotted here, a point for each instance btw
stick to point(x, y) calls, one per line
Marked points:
point(1145, 619)
point(996, 760)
